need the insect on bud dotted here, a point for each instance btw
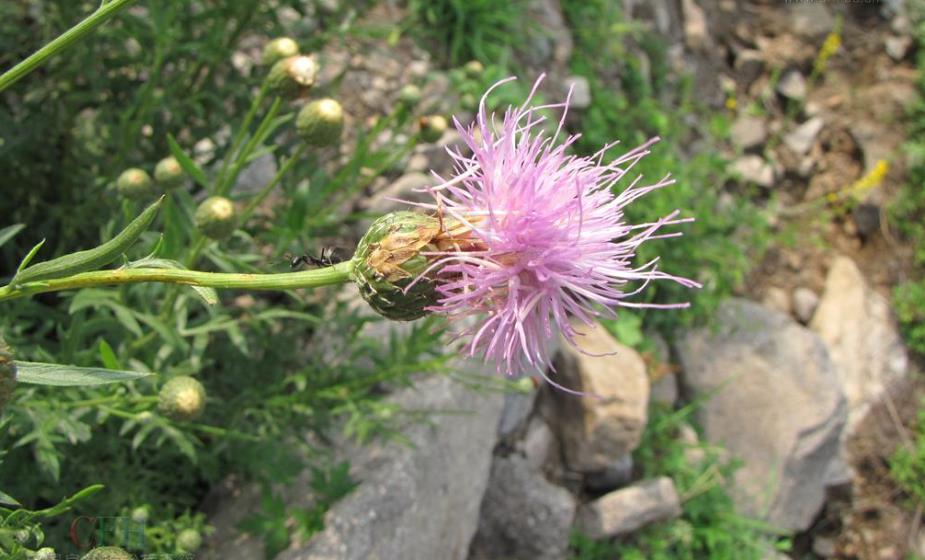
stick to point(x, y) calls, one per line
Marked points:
point(108, 553)
point(7, 373)
point(135, 184)
point(168, 173)
point(278, 49)
point(182, 398)
point(215, 218)
point(389, 260)
point(189, 540)
point(410, 95)
point(432, 127)
point(321, 122)
point(293, 76)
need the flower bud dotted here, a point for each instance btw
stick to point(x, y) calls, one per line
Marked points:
point(108, 553)
point(140, 514)
point(189, 540)
point(45, 553)
point(7, 373)
point(215, 218)
point(321, 122)
point(473, 69)
point(432, 127)
point(410, 95)
point(389, 260)
point(135, 184)
point(182, 398)
point(293, 76)
point(168, 173)
point(278, 49)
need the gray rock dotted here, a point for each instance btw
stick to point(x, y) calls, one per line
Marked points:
point(619, 474)
point(748, 132)
point(749, 65)
point(811, 20)
point(420, 500)
point(554, 45)
point(866, 217)
point(581, 91)
point(523, 515)
point(256, 175)
point(824, 547)
point(405, 187)
point(801, 139)
point(777, 299)
point(753, 169)
point(898, 47)
point(792, 86)
point(804, 304)
point(539, 443)
point(857, 325)
point(596, 431)
point(628, 509)
point(775, 402)
point(696, 33)
point(517, 408)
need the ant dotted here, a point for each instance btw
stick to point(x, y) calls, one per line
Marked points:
point(322, 260)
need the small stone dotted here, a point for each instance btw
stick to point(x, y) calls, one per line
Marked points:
point(801, 139)
point(804, 304)
point(824, 547)
point(866, 217)
point(748, 132)
point(696, 34)
point(517, 408)
point(792, 86)
point(753, 169)
point(898, 47)
point(538, 444)
point(777, 299)
point(628, 509)
point(811, 20)
point(581, 92)
point(617, 475)
point(749, 66)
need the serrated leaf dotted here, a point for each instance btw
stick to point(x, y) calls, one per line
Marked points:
point(72, 376)
point(187, 162)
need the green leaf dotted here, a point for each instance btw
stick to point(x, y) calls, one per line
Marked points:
point(208, 295)
point(29, 256)
point(10, 232)
point(108, 356)
point(7, 499)
point(71, 376)
point(186, 162)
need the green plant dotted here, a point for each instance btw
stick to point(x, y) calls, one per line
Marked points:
point(907, 465)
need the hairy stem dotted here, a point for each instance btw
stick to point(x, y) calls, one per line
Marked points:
point(337, 274)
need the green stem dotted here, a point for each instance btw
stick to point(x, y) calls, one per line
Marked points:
point(219, 187)
point(337, 274)
point(268, 188)
point(66, 39)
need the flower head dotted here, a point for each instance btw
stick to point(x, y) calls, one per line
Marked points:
point(534, 237)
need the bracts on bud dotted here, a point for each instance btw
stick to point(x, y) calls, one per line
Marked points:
point(292, 77)
point(278, 49)
point(135, 183)
point(182, 398)
point(168, 173)
point(215, 218)
point(321, 122)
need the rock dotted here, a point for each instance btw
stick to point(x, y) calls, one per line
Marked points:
point(748, 132)
point(517, 408)
point(801, 139)
point(753, 169)
point(775, 403)
point(256, 175)
point(538, 444)
point(405, 187)
point(866, 217)
point(420, 500)
point(696, 34)
point(897, 47)
point(552, 47)
point(523, 516)
point(694, 453)
point(749, 65)
point(619, 474)
point(857, 325)
point(804, 304)
point(824, 547)
point(628, 509)
point(596, 431)
point(777, 299)
point(228, 504)
point(810, 20)
point(581, 92)
point(792, 86)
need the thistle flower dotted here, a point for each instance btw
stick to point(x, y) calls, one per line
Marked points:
point(533, 237)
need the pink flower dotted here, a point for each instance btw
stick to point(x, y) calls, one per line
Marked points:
point(540, 237)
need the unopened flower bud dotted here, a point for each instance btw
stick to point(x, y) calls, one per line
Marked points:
point(473, 69)
point(293, 76)
point(182, 398)
point(189, 540)
point(215, 218)
point(410, 95)
point(45, 553)
point(389, 260)
point(140, 514)
point(7, 373)
point(135, 184)
point(321, 122)
point(432, 127)
point(168, 173)
point(278, 49)
point(108, 553)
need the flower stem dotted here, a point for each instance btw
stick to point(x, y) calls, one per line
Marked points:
point(66, 39)
point(337, 274)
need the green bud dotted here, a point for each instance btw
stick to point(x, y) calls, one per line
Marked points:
point(140, 514)
point(7, 373)
point(45, 553)
point(410, 95)
point(473, 69)
point(189, 540)
point(278, 49)
point(293, 76)
point(182, 398)
point(135, 184)
point(321, 122)
point(432, 127)
point(388, 259)
point(144, 417)
point(108, 553)
point(168, 173)
point(215, 218)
